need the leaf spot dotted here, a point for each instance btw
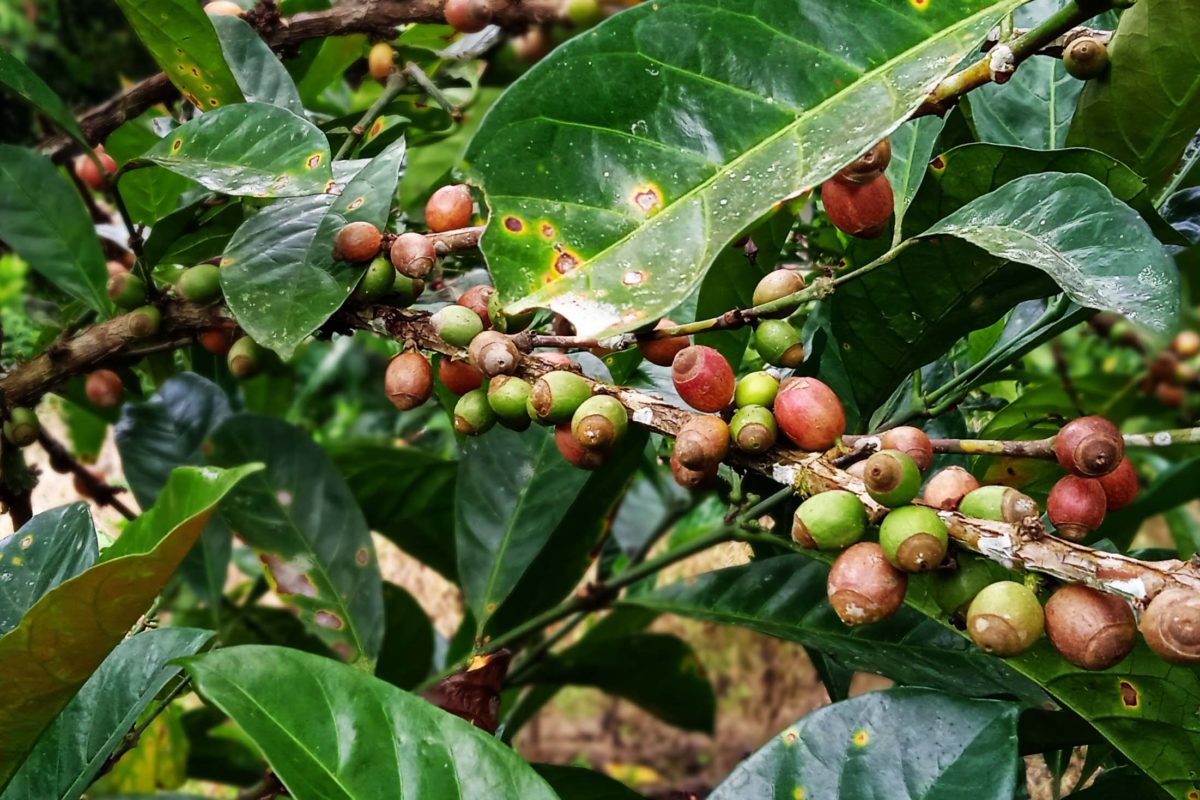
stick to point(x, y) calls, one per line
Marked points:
point(283, 497)
point(314, 161)
point(176, 145)
point(328, 619)
point(356, 203)
point(633, 277)
point(647, 198)
point(287, 577)
point(861, 737)
point(212, 101)
point(566, 260)
point(798, 793)
point(1129, 695)
point(919, 5)
point(376, 128)
point(343, 650)
point(16, 561)
point(938, 164)
point(513, 224)
point(547, 230)
point(26, 541)
point(790, 736)
point(362, 557)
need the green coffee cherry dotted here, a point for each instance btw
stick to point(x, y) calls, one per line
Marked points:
point(953, 590)
point(778, 343)
point(829, 521)
point(583, 13)
point(406, 290)
point(22, 427)
point(200, 284)
point(754, 429)
point(145, 321)
point(1005, 619)
point(377, 281)
point(126, 290)
point(1000, 503)
point(457, 325)
point(246, 358)
point(506, 323)
point(892, 478)
point(508, 396)
point(472, 414)
point(1085, 58)
point(599, 422)
point(914, 538)
point(556, 396)
point(756, 389)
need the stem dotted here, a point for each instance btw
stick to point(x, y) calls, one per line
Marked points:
point(62, 461)
point(520, 669)
point(430, 88)
point(395, 84)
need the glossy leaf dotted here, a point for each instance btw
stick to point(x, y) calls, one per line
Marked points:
point(310, 535)
point(580, 783)
point(23, 81)
point(76, 745)
point(44, 221)
point(68, 633)
point(912, 149)
point(54, 546)
point(329, 730)
point(406, 657)
point(251, 149)
point(898, 744)
point(180, 37)
point(258, 71)
point(1033, 109)
point(609, 204)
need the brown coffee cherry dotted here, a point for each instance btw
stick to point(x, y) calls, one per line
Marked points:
point(809, 413)
point(779, 343)
point(380, 60)
point(22, 427)
point(999, 503)
point(459, 377)
point(863, 587)
point(1163, 366)
point(775, 285)
point(702, 442)
point(104, 388)
point(1120, 486)
point(703, 378)
point(1005, 619)
point(85, 169)
point(493, 353)
point(450, 207)
point(947, 488)
point(1076, 506)
point(831, 520)
point(1089, 447)
point(753, 429)
point(223, 8)
point(356, 242)
point(473, 414)
point(408, 380)
point(1171, 626)
point(478, 299)
point(413, 255)
point(467, 16)
point(914, 538)
point(869, 166)
point(1170, 395)
point(599, 422)
point(246, 358)
point(576, 454)
point(1090, 629)
point(756, 389)
point(912, 441)
point(557, 395)
point(663, 351)
point(560, 361)
point(859, 209)
point(1085, 58)
point(126, 290)
point(217, 340)
point(692, 478)
point(892, 478)
point(1186, 344)
point(858, 469)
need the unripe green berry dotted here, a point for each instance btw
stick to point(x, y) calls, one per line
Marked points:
point(756, 389)
point(22, 427)
point(1000, 503)
point(778, 343)
point(914, 538)
point(246, 358)
point(1005, 619)
point(892, 478)
point(508, 396)
point(557, 395)
point(145, 321)
point(406, 290)
point(599, 422)
point(583, 13)
point(954, 589)
point(126, 290)
point(377, 281)
point(753, 429)
point(457, 325)
point(200, 284)
point(472, 413)
point(829, 521)
point(1085, 58)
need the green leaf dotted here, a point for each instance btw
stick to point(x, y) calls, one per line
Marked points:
point(68, 633)
point(1146, 108)
point(310, 535)
point(329, 730)
point(259, 73)
point(180, 37)
point(89, 729)
point(406, 657)
point(579, 783)
point(1033, 109)
point(609, 208)
point(250, 149)
point(898, 744)
point(912, 148)
point(33, 90)
point(44, 221)
point(291, 244)
point(54, 546)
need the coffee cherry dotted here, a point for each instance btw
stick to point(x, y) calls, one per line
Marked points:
point(1090, 629)
point(892, 478)
point(200, 284)
point(910, 440)
point(775, 285)
point(1089, 446)
point(413, 255)
point(555, 359)
point(457, 325)
point(478, 299)
point(692, 478)
point(408, 380)
point(1076, 506)
point(830, 520)
point(494, 354)
point(953, 590)
point(778, 343)
point(377, 282)
point(356, 242)
point(861, 210)
point(557, 395)
point(217, 340)
point(576, 454)
point(1120, 486)
point(863, 587)
point(246, 358)
point(450, 207)
point(145, 321)
point(702, 442)
point(913, 538)
point(1085, 58)
point(406, 290)
point(947, 488)
point(22, 427)
point(459, 377)
point(663, 351)
point(1005, 619)
point(115, 268)
point(999, 503)
point(583, 13)
point(600, 422)
point(467, 16)
point(869, 166)
point(126, 290)
point(380, 60)
point(1163, 366)
point(508, 396)
point(472, 413)
point(756, 389)
point(1186, 344)
point(223, 8)
point(1170, 395)
point(754, 429)
point(1171, 626)
point(85, 169)
point(809, 413)
point(858, 469)
point(104, 388)
point(703, 378)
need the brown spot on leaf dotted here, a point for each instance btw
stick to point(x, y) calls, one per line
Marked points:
point(376, 128)
point(362, 557)
point(287, 577)
point(646, 198)
point(547, 230)
point(175, 145)
point(314, 161)
point(196, 72)
point(564, 260)
point(343, 650)
point(513, 224)
point(1129, 695)
point(328, 619)
point(356, 203)
point(212, 101)
point(938, 164)
point(861, 737)
point(633, 277)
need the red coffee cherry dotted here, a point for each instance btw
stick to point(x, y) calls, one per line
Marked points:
point(1120, 486)
point(217, 340)
point(408, 380)
point(576, 454)
point(663, 351)
point(450, 207)
point(859, 209)
point(357, 241)
point(863, 587)
point(703, 378)
point(85, 169)
point(1090, 629)
point(702, 443)
point(467, 16)
point(458, 377)
point(477, 299)
point(911, 441)
point(809, 413)
point(1089, 447)
point(947, 488)
point(413, 255)
point(104, 388)
point(1076, 506)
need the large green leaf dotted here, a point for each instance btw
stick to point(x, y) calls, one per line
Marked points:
point(1146, 108)
point(44, 221)
point(20, 79)
point(406, 657)
point(580, 783)
point(68, 633)
point(54, 546)
point(291, 244)
point(310, 535)
point(181, 38)
point(331, 731)
point(76, 745)
point(1033, 109)
point(258, 71)
point(902, 744)
point(618, 168)
point(250, 149)
point(912, 148)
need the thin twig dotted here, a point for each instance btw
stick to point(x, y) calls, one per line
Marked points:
point(430, 88)
point(395, 84)
point(62, 461)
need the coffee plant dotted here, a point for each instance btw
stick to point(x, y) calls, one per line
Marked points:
point(892, 299)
